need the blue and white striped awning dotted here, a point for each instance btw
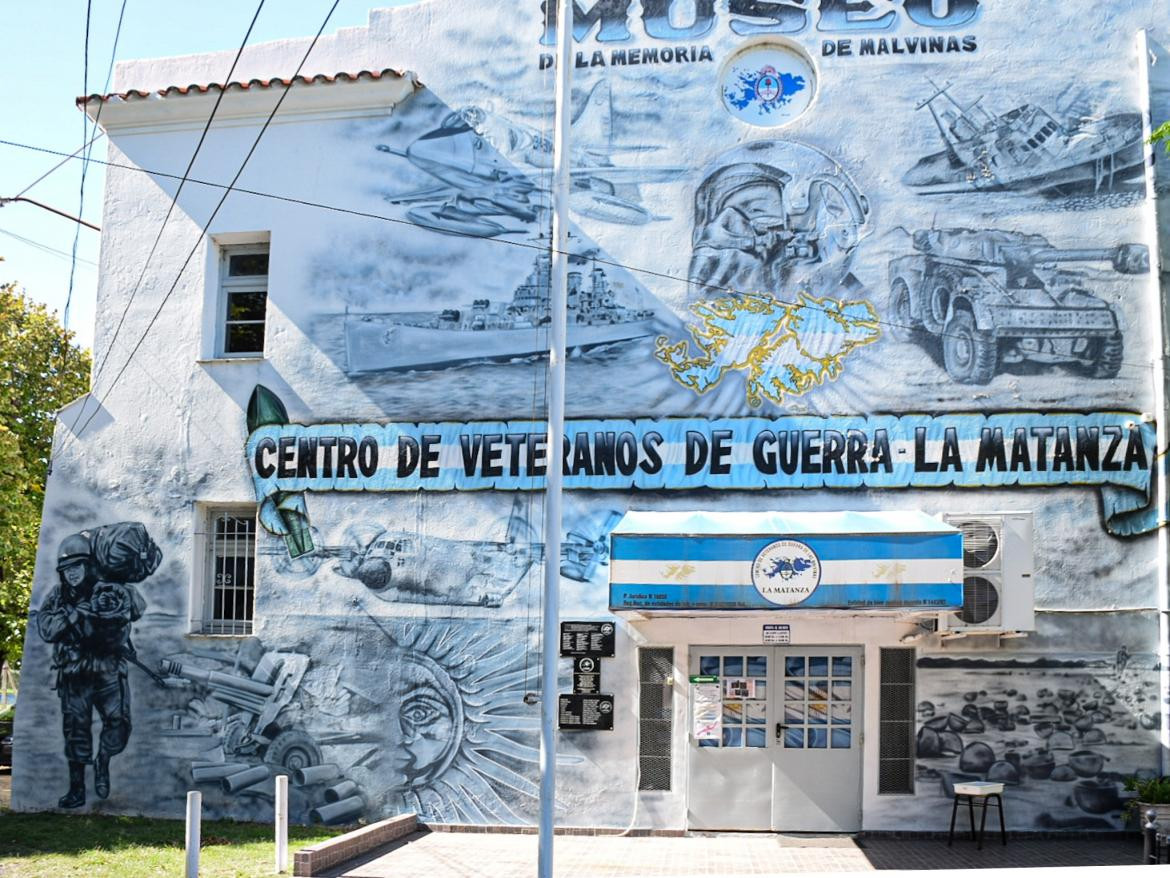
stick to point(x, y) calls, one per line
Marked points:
point(775, 560)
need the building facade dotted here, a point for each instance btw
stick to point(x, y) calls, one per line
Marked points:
point(865, 412)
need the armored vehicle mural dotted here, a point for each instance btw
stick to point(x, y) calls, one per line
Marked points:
point(994, 298)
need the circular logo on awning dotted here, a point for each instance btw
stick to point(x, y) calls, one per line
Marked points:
point(786, 572)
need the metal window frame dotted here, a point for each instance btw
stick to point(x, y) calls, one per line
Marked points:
point(254, 283)
point(911, 745)
point(205, 620)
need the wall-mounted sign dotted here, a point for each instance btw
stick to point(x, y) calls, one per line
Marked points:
point(775, 633)
point(594, 639)
point(580, 711)
point(586, 675)
point(706, 708)
point(1110, 450)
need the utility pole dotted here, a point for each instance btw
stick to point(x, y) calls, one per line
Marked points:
point(558, 299)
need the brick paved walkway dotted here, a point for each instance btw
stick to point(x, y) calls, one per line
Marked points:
point(470, 855)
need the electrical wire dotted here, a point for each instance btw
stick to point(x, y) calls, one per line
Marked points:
point(61, 163)
point(99, 366)
point(203, 231)
point(84, 167)
point(52, 251)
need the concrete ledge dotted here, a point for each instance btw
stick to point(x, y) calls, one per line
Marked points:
point(512, 829)
point(314, 860)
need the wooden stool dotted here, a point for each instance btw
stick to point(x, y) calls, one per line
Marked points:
point(981, 793)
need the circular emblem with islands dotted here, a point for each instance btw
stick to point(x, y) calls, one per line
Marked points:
point(786, 572)
point(768, 84)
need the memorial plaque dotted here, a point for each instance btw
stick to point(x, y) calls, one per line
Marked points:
point(586, 675)
point(582, 711)
point(594, 639)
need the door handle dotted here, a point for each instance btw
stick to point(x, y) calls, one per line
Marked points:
point(780, 727)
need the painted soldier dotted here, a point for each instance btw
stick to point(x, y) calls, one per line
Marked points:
point(88, 622)
point(740, 228)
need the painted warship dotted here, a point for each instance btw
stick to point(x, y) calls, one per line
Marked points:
point(488, 330)
point(1027, 149)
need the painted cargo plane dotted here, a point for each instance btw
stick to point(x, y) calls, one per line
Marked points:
point(492, 169)
point(406, 566)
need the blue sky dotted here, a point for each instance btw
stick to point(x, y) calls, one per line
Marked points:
point(41, 69)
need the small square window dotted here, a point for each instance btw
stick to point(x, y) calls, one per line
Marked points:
point(243, 300)
point(228, 585)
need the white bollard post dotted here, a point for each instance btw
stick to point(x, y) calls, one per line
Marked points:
point(281, 814)
point(194, 809)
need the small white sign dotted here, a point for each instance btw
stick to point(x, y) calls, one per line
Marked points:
point(708, 712)
point(777, 634)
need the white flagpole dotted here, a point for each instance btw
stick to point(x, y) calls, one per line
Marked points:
point(558, 300)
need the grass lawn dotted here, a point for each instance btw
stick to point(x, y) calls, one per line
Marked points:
point(51, 845)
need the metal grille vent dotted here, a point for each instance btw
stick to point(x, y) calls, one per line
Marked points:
point(896, 722)
point(980, 544)
point(980, 600)
point(655, 717)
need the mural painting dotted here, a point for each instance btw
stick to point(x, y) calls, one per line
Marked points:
point(89, 618)
point(993, 298)
point(489, 167)
point(424, 717)
point(1029, 149)
point(1061, 731)
point(760, 316)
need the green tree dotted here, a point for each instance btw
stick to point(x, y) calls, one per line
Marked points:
point(41, 369)
point(1162, 135)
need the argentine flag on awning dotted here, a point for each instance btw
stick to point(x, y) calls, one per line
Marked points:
point(774, 560)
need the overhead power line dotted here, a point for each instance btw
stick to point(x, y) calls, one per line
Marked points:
point(203, 231)
point(45, 248)
point(100, 365)
point(84, 167)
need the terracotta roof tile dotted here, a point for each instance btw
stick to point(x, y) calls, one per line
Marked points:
point(195, 88)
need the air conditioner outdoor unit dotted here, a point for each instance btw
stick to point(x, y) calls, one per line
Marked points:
point(998, 589)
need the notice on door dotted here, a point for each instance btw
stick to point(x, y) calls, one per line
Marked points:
point(707, 709)
point(739, 687)
point(586, 712)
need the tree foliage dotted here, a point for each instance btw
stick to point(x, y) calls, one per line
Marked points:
point(41, 369)
point(1162, 135)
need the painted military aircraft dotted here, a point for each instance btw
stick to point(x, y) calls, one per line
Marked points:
point(407, 566)
point(492, 169)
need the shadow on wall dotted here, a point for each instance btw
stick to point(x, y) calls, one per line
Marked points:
point(1062, 732)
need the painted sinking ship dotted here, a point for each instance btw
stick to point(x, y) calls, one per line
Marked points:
point(1028, 149)
point(493, 331)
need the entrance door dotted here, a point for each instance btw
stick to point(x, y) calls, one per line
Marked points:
point(787, 755)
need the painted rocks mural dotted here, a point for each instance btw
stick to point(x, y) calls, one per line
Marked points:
point(1063, 732)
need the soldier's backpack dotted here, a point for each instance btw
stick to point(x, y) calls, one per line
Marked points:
point(124, 552)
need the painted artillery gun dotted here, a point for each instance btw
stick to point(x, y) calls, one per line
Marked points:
point(254, 698)
point(994, 298)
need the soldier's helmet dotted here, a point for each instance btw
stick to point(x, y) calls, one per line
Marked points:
point(73, 548)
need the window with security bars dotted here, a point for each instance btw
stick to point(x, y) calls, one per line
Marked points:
point(896, 723)
point(243, 282)
point(655, 717)
point(229, 582)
